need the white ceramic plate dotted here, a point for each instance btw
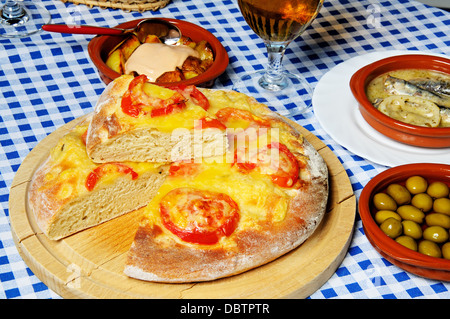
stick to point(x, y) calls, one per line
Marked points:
point(437, 3)
point(337, 111)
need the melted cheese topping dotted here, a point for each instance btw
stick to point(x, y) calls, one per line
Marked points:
point(184, 119)
point(259, 200)
point(69, 166)
point(220, 99)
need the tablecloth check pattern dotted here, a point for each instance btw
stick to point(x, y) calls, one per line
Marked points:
point(48, 79)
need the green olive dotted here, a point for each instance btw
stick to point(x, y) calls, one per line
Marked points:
point(383, 201)
point(436, 219)
point(399, 193)
point(446, 250)
point(391, 227)
point(382, 215)
point(430, 248)
point(407, 241)
point(410, 212)
point(442, 205)
point(422, 201)
point(416, 184)
point(435, 234)
point(412, 229)
point(416, 215)
point(438, 190)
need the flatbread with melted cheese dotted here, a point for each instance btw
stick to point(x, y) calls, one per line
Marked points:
point(222, 216)
point(69, 192)
point(142, 122)
point(203, 217)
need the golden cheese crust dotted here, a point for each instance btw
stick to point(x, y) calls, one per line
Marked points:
point(173, 262)
point(158, 255)
point(272, 208)
point(114, 135)
point(61, 201)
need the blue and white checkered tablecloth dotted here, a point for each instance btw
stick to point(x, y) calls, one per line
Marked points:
point(47, 80)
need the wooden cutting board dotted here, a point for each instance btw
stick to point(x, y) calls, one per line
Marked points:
point(89, 264)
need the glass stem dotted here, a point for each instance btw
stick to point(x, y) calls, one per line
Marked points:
point(274, 79)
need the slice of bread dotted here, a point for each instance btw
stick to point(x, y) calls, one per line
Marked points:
point(116, 136)
point(66, 199)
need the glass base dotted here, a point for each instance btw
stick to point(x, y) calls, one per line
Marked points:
point(29, 20)
point(292, 96)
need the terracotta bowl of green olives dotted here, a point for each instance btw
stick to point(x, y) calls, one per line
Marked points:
point(405, 211)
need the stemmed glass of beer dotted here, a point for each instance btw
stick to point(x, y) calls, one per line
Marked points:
point(278, 23)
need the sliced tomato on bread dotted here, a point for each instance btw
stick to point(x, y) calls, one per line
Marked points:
point(107, 169)
point(275, 160)
point(199, 216)
point(136, 101)
point(191, 92)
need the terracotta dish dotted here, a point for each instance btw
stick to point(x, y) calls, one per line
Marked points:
point(407, 259)
point(100, 46)
point(402, 132)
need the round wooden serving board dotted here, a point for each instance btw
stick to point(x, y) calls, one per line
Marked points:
point(90, 264)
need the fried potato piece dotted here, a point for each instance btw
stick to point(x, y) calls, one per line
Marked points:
point(172, 76)
point(187, 41)
point(151, 38)
point(205, 51)
point(116, 61)
point(192, 67)
point(206, 54)
point(120, 54)
point(129, 45)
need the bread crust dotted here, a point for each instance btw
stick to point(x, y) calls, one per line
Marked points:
point(114, 138)
point(172, 261)
point(104, 123)
point(154, 256)
point(62, 207)
point(149, 259)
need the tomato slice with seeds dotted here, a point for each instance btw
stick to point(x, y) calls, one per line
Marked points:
point(171, 108)
point(136, 102)
point(94, 176)
point(128, 107)
point(288, 170)
point(207, 122)
point(230, 114)
point(281, 165)
point(184, 169)
point(130, 104)
point(199, 216)
point(191, 92)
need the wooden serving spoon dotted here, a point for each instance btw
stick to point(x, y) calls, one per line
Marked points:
point(166, 31)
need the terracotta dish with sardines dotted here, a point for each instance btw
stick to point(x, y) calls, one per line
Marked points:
point(415, 96)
